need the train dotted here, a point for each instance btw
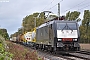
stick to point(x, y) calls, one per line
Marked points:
point(56, 35)
point(26, 39)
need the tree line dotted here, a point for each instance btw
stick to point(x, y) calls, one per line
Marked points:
point(4, 34)
point(28, 23)
point(4, 54)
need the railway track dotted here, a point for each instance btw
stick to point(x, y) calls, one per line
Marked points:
point(52, 56)
point(80, 55)
point(70, 56)
point(48, 55)
point(84, 52)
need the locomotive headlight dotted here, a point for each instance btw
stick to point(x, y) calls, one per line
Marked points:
point(74, 39)
point(59, 39)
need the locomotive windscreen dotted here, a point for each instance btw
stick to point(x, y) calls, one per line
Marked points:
point(66, 26)
point(67, 30)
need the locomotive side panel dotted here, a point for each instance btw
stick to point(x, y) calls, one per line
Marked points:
point(42, 35)
point(45, 35)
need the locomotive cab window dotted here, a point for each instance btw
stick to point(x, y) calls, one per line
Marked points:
point(72, 26)
point(66, 26)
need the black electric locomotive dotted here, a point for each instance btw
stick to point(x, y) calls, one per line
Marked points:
point(58, 35)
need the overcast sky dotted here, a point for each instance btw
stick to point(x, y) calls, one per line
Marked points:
point(12, 12)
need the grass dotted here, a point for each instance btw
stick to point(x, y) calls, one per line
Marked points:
point(21, 53)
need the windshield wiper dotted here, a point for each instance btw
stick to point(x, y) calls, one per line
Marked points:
point(68, 27)
point(64, 27)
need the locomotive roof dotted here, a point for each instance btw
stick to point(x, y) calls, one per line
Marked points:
point(56, 21)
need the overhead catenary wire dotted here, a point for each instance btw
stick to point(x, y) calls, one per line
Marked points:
point(55, 5)
point(84, 7)
point(83, 4)
point(60, 1)
point(75, 5)
point(50, 7)
point(48, 4)
point(46, 7)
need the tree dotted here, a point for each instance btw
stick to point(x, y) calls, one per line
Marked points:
point(73, 16)
point(4, 33)
point(29, 21)
point(85, 27)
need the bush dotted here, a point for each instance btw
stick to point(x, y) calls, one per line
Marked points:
point(4, 55)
